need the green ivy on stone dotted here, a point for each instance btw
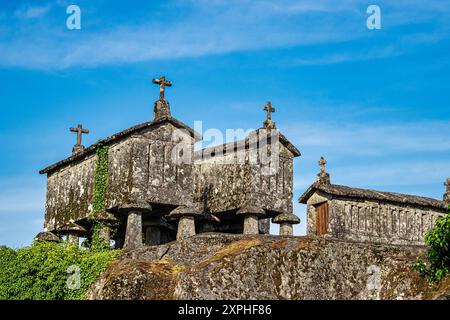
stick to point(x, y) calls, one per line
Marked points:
point(40, 271)
point(438, 264)
point(101, 175)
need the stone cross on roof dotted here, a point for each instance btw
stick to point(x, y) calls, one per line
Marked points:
point(322, 176)
point(79, 130)
point(322, 162)
point(447, 184)
point(269, 124)
point(162, 84)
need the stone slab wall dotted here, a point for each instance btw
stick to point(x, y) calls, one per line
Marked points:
point(144, 168)
point(371, 221)
point(233, 184)
point(69, 193)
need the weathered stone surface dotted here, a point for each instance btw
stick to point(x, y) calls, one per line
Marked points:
point(286, 220)
point(286, 229)
point(372, 216)
point(366, 194)
point(133, 236)
point(186, 227)
point(251, 225)
point(218, 266)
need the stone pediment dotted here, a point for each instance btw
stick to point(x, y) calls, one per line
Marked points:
point(121, 136)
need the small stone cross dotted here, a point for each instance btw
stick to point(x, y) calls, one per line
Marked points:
point(322, 163)
point(447, 184)
point(269, 110)
point(269, 124)
point(79, 130)
point(162, 84)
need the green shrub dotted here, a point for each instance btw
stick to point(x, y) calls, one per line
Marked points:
point(40, 271)
point(438, 238)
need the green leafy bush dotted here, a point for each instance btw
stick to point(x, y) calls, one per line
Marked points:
point(438, 238)
point(40, 271)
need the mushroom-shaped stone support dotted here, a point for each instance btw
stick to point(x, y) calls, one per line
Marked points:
point(207, 222)
point(134, 211)
point(73, 232)
point(186, 223)
point(47, 236)
point(106, 219)
point(286, 220)
point(251, 215)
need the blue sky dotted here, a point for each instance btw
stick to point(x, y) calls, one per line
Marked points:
point(375, 103)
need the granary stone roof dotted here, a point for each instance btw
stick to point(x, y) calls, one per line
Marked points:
point(118, 136)
point(234, 145)
point(344, 191)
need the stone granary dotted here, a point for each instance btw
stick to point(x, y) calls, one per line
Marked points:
point(147, 184)
point(343, 212)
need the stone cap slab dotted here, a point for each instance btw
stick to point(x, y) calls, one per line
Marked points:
point(185, 210)
point(286, 217)
point(47, 236)
point(251, 210)
point(142, 206)
point(72, 227)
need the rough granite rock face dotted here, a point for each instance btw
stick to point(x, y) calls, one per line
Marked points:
point(224, 266)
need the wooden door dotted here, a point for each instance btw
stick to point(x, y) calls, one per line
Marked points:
point(322, 219)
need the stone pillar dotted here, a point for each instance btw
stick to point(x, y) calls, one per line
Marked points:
point(152, 235)
point(286, 221)
point(286, 229)
point(133, 232)
point(251, 224)
point(186, 227)
point(73, 238)
point(186, 223)
point(133, 235)
point(251, 215)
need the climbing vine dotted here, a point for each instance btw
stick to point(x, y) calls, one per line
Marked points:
point(438, 264)
point(101, 176)
point(100, 179)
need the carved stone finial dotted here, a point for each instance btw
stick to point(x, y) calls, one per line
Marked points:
point(269, 124)
point(161, 81)
point(162, 107)
point(322, 163)
point(323, 176)
point(79, 130)
point(447, 191)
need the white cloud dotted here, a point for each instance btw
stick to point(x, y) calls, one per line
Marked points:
point(205, 28)
point(32, 12)
point(373, 138)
